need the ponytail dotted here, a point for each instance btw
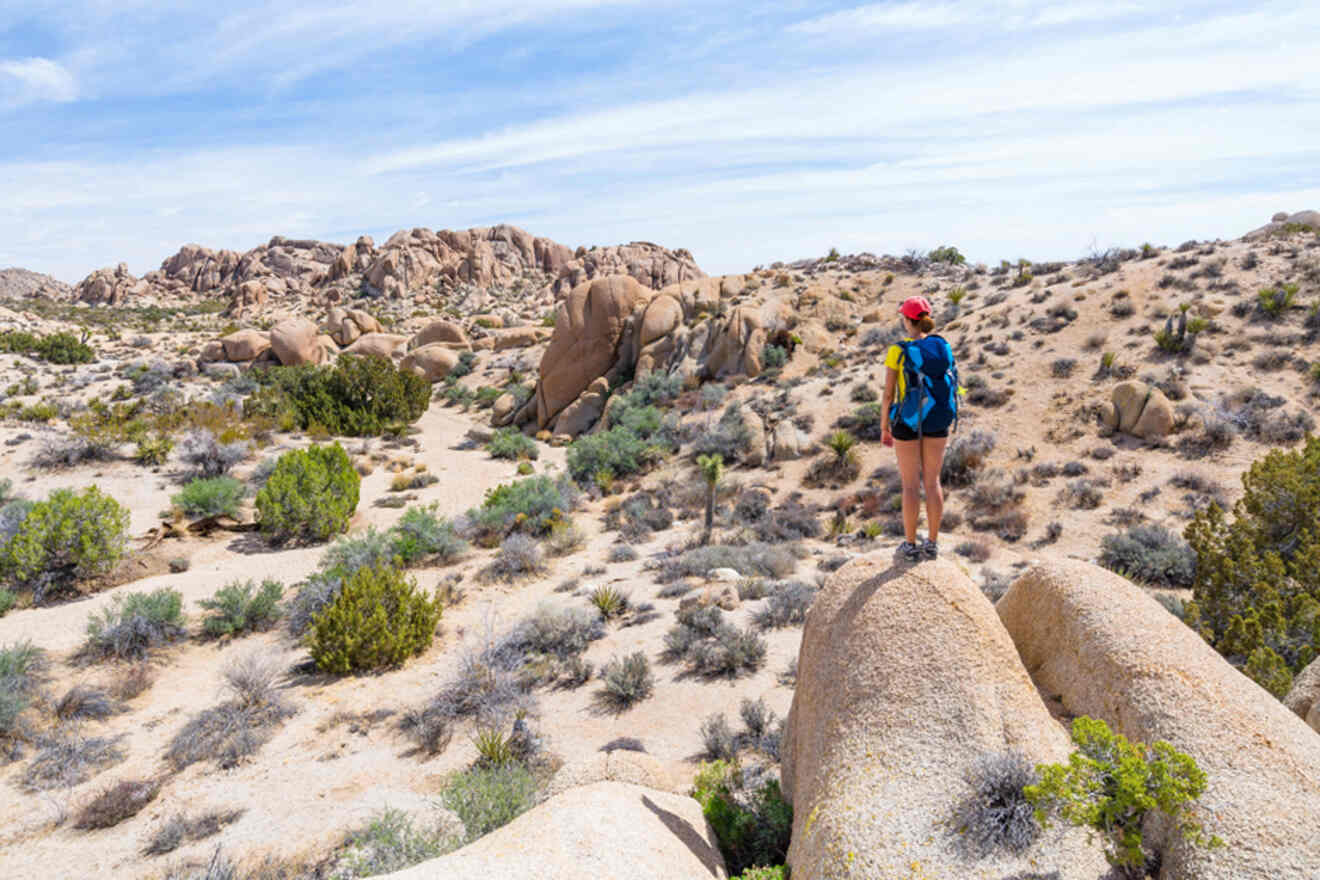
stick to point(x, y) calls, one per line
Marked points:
point(926, 324)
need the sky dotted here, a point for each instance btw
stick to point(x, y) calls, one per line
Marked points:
point(745, 132)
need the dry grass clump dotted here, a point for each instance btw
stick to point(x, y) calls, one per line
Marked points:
point(995, 506)
point(123, 800)
point(787, 605)
point(626, 681)
point(756, 559)
point(236, 729)
point(965, 457)
point(179, 828)
point(65, 758)
point(711, 646)
point(85, 702)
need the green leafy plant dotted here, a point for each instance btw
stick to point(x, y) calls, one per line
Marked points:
point(494, 747)
point(512, 444)
point(946, 254)
point(154, 450)
point(1274, 301)
point(487, 798)
point(1256, 597)
point(242, 607)
point(840, 443)
point(1110, 785)
point(609, 601)
point(134, 624)
point(752, 827)
point(215, 496)
point(358, 396)
point(379, 619)
point(532, 506)
point(309, 496)
point(69, 536)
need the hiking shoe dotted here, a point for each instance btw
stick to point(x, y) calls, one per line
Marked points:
point(911, 552)
point(930, 549)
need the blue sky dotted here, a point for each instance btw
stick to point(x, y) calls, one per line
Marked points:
point(747, 132)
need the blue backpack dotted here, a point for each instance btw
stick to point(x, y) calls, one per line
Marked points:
point(930, 392)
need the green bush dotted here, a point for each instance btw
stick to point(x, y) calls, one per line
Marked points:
point(421, 533)
point(1256, 597)
point(946, 254)
point(638, 434)
point(57, 348)
point(777, 872)
point(752, 827)
point(1109, 785)
point(134, 624)
point(774, 356)
point(7, 601)
point(532, 506)
point(487, 798)
point(358, 396)
point(378, 620)
point(210, 497)
point(310, 495)
point(69, 536)
point(242, 607)
point(154, 451)
point(1150, 554)
point(618, 452)
point(391, 842)
point(512, 444)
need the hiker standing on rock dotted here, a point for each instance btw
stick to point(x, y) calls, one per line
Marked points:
point(920, 407)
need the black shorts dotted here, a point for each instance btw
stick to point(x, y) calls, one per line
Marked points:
point(901, 431)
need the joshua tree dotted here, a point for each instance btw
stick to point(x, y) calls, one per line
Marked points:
point(712, 469)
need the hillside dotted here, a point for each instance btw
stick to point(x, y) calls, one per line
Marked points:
point(552, 342)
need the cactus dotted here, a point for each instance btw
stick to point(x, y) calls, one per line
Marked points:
point(1179, 333)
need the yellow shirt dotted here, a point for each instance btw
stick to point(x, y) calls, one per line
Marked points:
point(893, 359)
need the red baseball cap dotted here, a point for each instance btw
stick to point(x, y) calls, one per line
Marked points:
point(914, 307)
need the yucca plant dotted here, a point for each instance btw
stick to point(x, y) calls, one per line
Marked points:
point(609, 601)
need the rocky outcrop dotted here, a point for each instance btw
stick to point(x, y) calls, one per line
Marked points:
point(1138, 409)
point(906, 680)
point(585, 345)
point(245, 345)
point(1282, 221)
point(443, 332)
point(790, 442)
point(293, 271)
point(346, 326)
point(1304, 697)
point(1110, 651)
point(21, 283)
point(432, 362)
point(518, 337)
point(381, 344)
point(580, 415)
point(605, 831)
point(296, 342)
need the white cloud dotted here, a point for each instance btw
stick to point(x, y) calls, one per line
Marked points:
point(862, 22)
point(37, 79)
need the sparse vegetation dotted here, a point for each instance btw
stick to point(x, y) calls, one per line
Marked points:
point(512, 444)
point(710, 646)
point(487, 798)
point(134, 624)
point(207, 497)
point(626, 681)
point(309, 496)
point(113, 805)
point(59, 541)
point(235, 730)
point(241, 607)
point(378, 620)
point(749, 815)
point(357, 397)
point(996, 816)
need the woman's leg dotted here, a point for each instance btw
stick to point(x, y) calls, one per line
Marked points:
point(932, 462)
point(909, 468)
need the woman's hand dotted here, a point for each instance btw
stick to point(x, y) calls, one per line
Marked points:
point(887, 437)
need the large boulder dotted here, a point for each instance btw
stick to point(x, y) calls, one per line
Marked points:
point(245, 345)
point(1304, 698)
point(518, 337)
point(442, 331)
point(736, 347)
point(346, 326)
point(603, 831)
point(296, 342)
point(1110, 651)
point(579, 416)
point(790, 441)
point(248, 295)
point(906, 680)
point(585, 342)
point(754, 455)
point(382, 344)
point(1140, 410)
point(432, 362)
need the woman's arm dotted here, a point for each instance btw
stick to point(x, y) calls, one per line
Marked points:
point(891, 381)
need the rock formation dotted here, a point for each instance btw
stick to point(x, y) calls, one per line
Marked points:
point(1304, 698)
point(20, 283)
point(1111, 652)
point(1140, 410)
point(905, 680)
point(1282, 220)
point(605, 831)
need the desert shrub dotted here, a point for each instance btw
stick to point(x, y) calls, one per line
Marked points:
point(532, 506)
point(609, 601)
point(617, 452)
point(965, 457)
point(345, 557)
point(431, 732)
point(622, 553)
point(752, 821)
point(153, 451)
point(240, 607)
point(134, 624)
point(83, 701)
point(123, 800)
point(656, 389)
point(996, 816)
point(729, 437)
point(1271, 302)
point(774, 872)
point(717, 738)
point(69, 536)
point(749, 560)
point(1260, 416)
point(378, 619)
point(8, 599)
point(309, 496)
point(1150, 554)
point(237, 728)
point(559, 632)
point(65, 758)
point(1063, 368)
point(207, 456)
point(1083, 494)
point(357, 397)
point(56, 348)
point(520, 556)
point(487, 798)
point(22, 668)
point(712, 647)
point(421, 533)
point(626, 681)
point(788, 605)
point(390, 842)
point(791, 521)
point(773, 356)
point(1255, 597)
point(132, 680)
point(565, 538)
point(512, 444)
point(178, 828)
point(639, 516)
point(212, 496)
point(1110, 785)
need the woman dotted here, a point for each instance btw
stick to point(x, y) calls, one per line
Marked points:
point(919, 407)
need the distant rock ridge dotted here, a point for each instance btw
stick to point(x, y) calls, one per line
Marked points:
point(18, 283)
point(320, 274)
